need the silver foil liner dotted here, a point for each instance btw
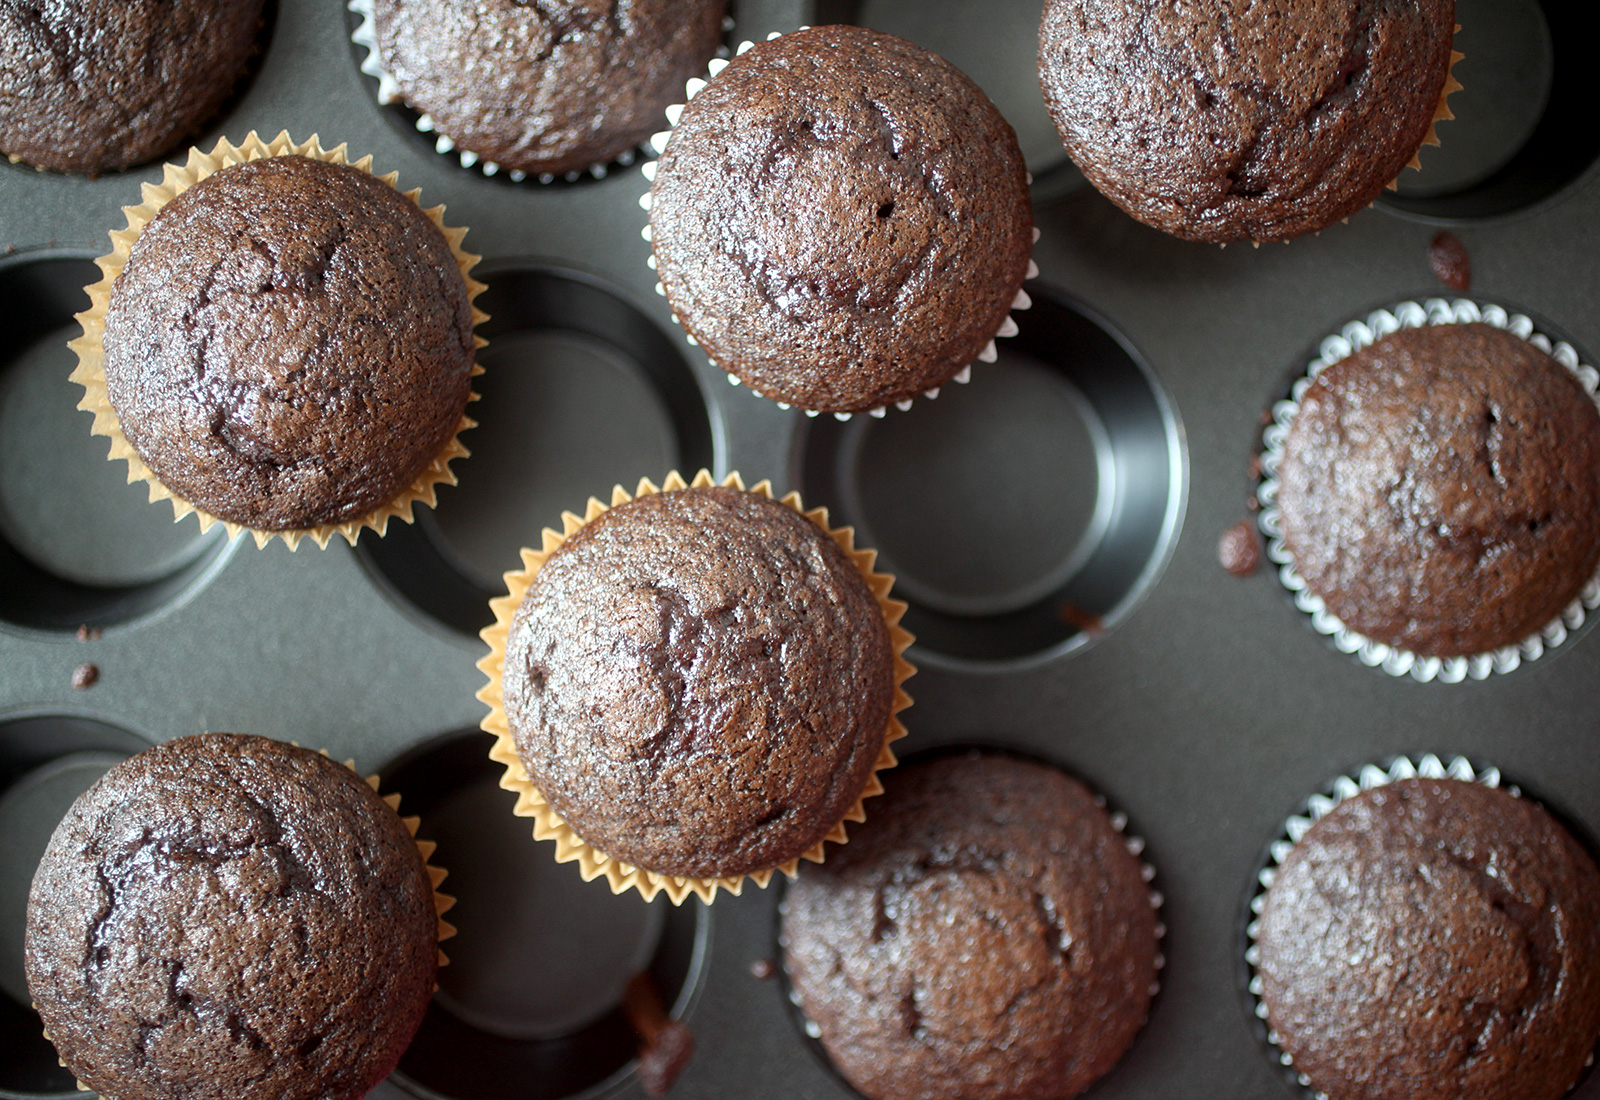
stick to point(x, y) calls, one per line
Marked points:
point(389, 94)
point(1374, 654)
point(658, 145)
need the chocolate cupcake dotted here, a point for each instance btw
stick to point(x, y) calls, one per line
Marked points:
point(988, 934)
point(842, 220)
point(1437, 489)
point(1229, 122)
point(286, 345)
point(99, 85)
point(695, 686)
point(540, 89)
point(231, 917)
point(1430, 938)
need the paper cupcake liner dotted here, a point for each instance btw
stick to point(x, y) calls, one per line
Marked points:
point(1427, 766)
point(389, 95)
point(1441, 113)
point(550, 825)
point(442, 902)
point(1374, 654)
point(658, 145)
point(1135, 845)
point(90, 371)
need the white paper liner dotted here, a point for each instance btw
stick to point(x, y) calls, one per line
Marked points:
point(1427, 766)
point(658, 146)
point(1374, 654)
point(389, 95)
point(1135, 845)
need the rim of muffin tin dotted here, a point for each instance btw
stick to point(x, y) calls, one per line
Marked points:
point(1393, 660)
point(389, 94)
point(811, 1033)
point(657, 145)
point(1315, 808)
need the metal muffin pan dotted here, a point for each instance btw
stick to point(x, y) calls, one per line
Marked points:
point(1072, 493)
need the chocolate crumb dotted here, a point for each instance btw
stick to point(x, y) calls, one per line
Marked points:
point(1450, 262)
point(1240, 549)
point(665, 1045)
point(1266, 417)
point(1255, 467)
point(84, 676)
point(87, 633)
point(762, 969)
point(1086, 621)
point(1252, 503)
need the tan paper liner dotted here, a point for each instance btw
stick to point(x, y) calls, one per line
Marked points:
point(442, 902)
point(1441, 112)
point(658, 144)
point(90, 372)
point(549, 825)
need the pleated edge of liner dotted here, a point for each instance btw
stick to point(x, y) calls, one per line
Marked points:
point(1135, 845)
point(550, 825)
point(89, 372)
point(389, 95)
point(1318, 806)
point(442, 902)
point(1392, 660)
point(658, 145)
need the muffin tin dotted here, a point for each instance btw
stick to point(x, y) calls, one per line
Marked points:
point(1054, 525)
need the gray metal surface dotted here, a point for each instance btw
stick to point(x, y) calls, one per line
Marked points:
point(1205, 706)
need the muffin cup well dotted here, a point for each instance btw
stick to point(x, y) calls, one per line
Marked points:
point(1427, 766)
point(550, 825)
point(365, 36)
point(1374, 654)
point(442, 902)
point(658, 145)
point(90, 372)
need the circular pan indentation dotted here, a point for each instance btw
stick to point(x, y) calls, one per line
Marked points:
point(530, 1007)
point(997, 45)
point(581, 391)
point(78, 544)
point(1026, 513)
point(1521, 132)
point(46, 762)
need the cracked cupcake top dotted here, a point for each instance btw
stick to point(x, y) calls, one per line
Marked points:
point(1244, 119)
point(986, 935)
point(1440, 489)
point(700, 682)
point(100, 85)
point(231, 918)
point(546, 85)
point(1434, 939)
point(290, 343)
point(841, 219)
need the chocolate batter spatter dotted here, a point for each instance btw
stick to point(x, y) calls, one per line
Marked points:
point(841, 219)
point(700, 682)
point(1440, 489)
point(1243, 119)
point(290, 344)
point(985, 936)
point(231, 918)
point(99, 85)
point(1432, 940)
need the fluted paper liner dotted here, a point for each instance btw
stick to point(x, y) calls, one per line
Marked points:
point(442, 902)
point(1370, 652)
point(549, 825)
point(658, 143)
point(90, 372)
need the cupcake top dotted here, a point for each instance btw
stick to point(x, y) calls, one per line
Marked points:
point(986, 935)
point(1236, 120)
point(290, 343)
point(231, 917)
point(546, 87)
point(700, 682)
point(841, 219)
point(99, 85)
point(1440, 489)
point(1434, 939)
